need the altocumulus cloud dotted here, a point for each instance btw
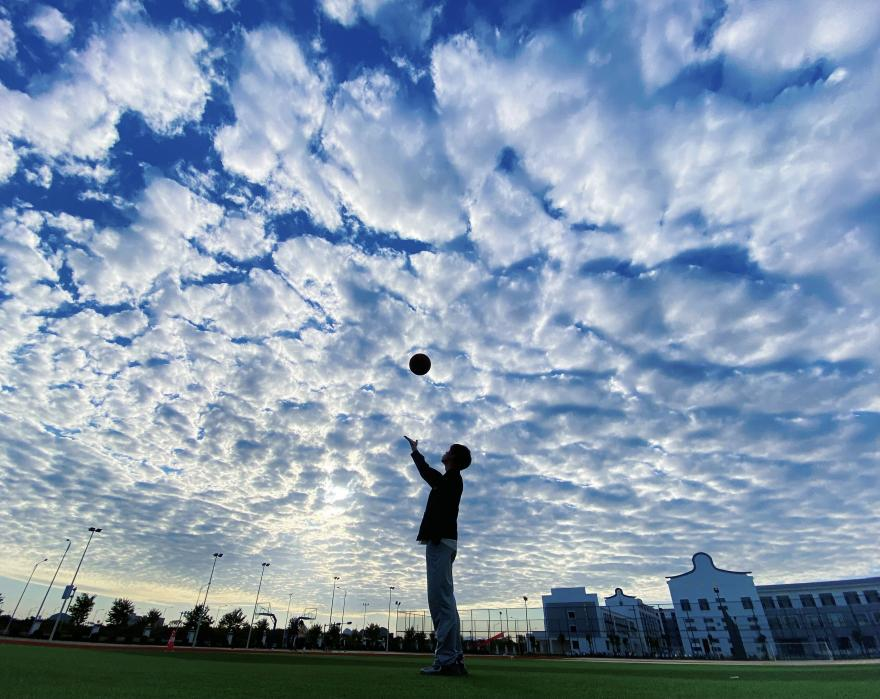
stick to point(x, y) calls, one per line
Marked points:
point(639, 241)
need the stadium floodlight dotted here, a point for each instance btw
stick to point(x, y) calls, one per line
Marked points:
point(256, 602)
point(70, 589)
point(49, 589)
point(12, 616)
point(332, 597)
point(388, 624)
point(205, 603)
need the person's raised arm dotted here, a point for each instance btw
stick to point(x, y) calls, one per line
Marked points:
point(432, 476)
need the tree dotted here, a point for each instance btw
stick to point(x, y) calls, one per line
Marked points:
point(233, 621)
point(312, 635)
point(198, 615)
point(1, 603)
point(331, 637)
point(373, 633)
point(120, 612)
point(409, 639)
point(151, 618)
point(80, 608)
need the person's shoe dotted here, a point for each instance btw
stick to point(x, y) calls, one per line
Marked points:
point(451, 670)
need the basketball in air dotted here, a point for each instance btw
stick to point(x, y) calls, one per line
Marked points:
point(419, 364)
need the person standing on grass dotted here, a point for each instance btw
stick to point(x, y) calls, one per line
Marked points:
point(439, 534)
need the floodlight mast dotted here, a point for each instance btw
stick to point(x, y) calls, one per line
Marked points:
point(205, 603)
point(12, 616)
point(49, 589)
point(256, 602)
point(70, 588)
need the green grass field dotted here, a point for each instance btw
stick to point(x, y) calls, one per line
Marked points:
point(39, 672)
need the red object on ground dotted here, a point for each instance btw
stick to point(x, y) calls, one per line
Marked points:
point(171, 639)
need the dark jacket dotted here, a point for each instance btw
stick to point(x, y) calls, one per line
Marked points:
point(440, 520)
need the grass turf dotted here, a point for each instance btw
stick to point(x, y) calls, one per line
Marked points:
point(37, 672)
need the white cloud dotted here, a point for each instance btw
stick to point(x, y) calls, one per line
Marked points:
point(215, 6)
point(279, 106)
point(140, 68)
point(784, 35)
point(7, 40)
point(695, 357)
point(152, 72)
point(51, 24)
point(389, 162)
point(120, 266)
point(8, 159)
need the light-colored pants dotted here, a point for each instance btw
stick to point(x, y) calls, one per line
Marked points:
point(441, 602)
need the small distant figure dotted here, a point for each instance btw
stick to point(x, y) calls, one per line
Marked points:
point(439, 534)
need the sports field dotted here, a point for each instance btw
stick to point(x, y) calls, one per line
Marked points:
point(38, 672)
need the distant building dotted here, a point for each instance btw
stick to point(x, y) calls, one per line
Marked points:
point(574, 622)
point(718, 613)
point(832, 619)
point(649, 638)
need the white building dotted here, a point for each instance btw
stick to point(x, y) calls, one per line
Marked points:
point(719, 612)
point(649, 637)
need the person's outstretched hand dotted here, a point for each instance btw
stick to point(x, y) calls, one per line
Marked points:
point(413, 443)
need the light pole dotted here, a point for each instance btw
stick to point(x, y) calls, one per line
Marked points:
point(254, 615)
point(528, 643)
point(397, 616)
point(48, 589)
point(388, 625)
point(366, 604)
point(12, 616)
point(344, 596)
point(332, 597)
point(69, 589)
point(286, 619)
point(205, 603)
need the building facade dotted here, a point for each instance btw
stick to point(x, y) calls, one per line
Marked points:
point(719, 614)
point(649, 638)
point(574, 622)
point(832, 619)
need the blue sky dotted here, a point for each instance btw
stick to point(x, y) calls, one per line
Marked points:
point(638, 240)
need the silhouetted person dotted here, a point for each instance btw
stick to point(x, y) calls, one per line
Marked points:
point(439, 533)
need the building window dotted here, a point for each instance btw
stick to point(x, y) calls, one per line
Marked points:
point(827, 599)
point(571, 615)
point(704, 604)
point(573, 628)
point(869, 642)
point(871, 596)
point(685, 605)
point(575, 645)
point(843, 643)
point(808, 601)
point(747, 603)
point(768, 603)
point(784, 601)
point(852, 597)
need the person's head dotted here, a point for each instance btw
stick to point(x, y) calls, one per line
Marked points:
point(457, 456)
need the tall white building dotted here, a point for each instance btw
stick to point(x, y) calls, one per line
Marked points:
point(719, 613)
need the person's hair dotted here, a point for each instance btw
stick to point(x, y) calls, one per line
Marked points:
point(461, 455)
